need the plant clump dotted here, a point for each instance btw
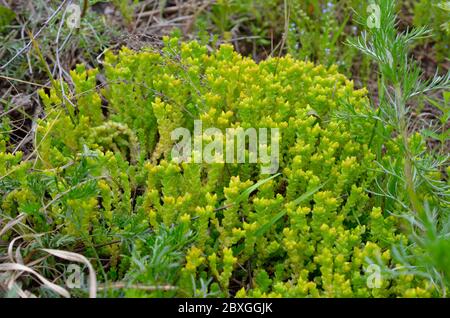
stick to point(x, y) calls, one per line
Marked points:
point(104, 177)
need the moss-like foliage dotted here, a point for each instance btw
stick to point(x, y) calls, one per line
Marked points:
point(103, 172)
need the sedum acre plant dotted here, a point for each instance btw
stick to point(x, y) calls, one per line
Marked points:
point(104, 176)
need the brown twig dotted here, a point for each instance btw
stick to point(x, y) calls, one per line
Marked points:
point(121, 285)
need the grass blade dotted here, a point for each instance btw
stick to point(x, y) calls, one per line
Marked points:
point(74, 257)
point(263, 229)
point(244, 195)
point(19, 267)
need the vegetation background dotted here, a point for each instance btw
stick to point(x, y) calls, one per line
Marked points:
point(38, 49)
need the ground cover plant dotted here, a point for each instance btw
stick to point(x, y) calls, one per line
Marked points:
point(95, 203)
